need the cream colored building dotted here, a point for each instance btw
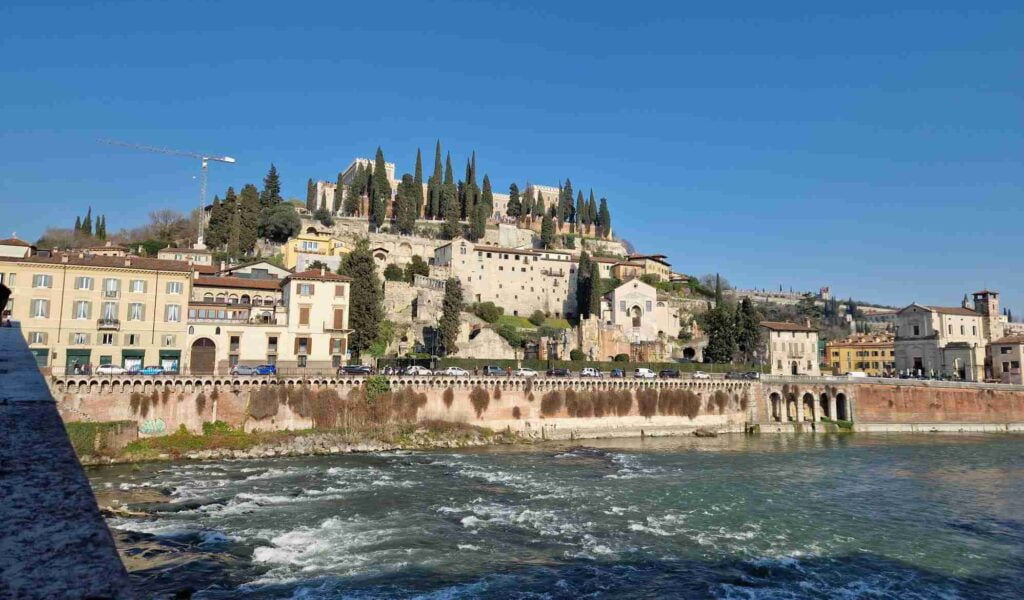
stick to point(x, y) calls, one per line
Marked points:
point(635, 308)
point(1006, 356)
point(307, 329)
point(653, 264)
point(792, 348)
point(193, 256)
point(947, 341)
point(519, 280)
point(79, 310)
point(15, 248)
point(311, 243)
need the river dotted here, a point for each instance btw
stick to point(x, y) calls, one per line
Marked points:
point(770, 516)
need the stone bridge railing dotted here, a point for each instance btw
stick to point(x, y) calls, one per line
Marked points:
point(935, 383)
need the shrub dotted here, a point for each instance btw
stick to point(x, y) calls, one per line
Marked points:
point(551, 403)
point(262, 402)
point(376, 385)
point(448, 397)
point(647, 402)
point(511, 335)
point(721, 400)
point(577, 354)
point(393, 272)
point(488, 311)
point(211, 428)
point(497, 392)
point(480, 399)
point(537, 318)
point(621, 358)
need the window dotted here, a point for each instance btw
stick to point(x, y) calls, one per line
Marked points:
point(339, 291)
point(109, 310)
point(302, 345)
point(83, 283)
point(649, 307)
point(107, 339)
point(271, 359)
point(10, 280)
point(462, 250)
point(79, 339)
point(304, 315)
point(136, 311)
point(974, 330)
point(174, 287)
point(963, 330)
point(169, 340)
point(1014, 364)
point(337, 346)
point(235, 342)
point(950, 329)
point(131, 339)
point(308, 245)
point(917, 330)
point(42, 281)
point(82, 309)
point(272, 344)
point(111, 288)
point(37, 337)
point(172, 313)
point(305, 289)
point(40, 309)
point(302, 361)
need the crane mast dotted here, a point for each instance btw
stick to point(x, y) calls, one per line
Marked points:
point(205, 158)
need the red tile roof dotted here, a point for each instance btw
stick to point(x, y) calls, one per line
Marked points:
point(318, 275)
point(109, 262)
point(15, 242)
point(783, 326)
point(1011, 339)
point(953, 310)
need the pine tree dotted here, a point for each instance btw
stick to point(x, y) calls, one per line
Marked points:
point(433, 209)
point(591, 210)
point(248, 218)
point(405, 205)
point(604, 220)
point(451, 308)
point(418, 181)
point(514, 207)
point(748, 330)
point(538, 206)
point(380, 191)
point(87, 222)
point(547, 231)
point(311, 204)
point(365, 304)
point(271, 193)
point(719, 323)
point(216, 229)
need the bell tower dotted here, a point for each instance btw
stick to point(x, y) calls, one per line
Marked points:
point(986, 304)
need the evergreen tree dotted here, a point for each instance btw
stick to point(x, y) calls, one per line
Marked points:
point(451, 308)
point(418, 181)
point(311, 204)
point(271, 193)
point(380, 191)
point(405, 205)
point(478, 224)
point(279, 223)
point(514, 208)
point(527, 202)
point(450, 208)
point(87, 222)
point(547, 231)
point(591, 209)
point(213, 235)
point(719, 323)
point(487, 198)
point(353, 197)
point(584, 283)
point(604, 220)
point(78, 224)
point(578, 212)
point(247, 219)
point(538, 206)
point(416, 266)
point(565, 203)
point(433, 208)
point(366, 298)
point(101, 227)
point(748, 330)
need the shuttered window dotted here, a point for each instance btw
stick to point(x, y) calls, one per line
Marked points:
point(339, 318)
point(304, 315)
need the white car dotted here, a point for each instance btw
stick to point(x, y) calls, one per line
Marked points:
point(110, 370)
point(700, 375)
point(524, 372)
point(416, 370)
point(453, 372)
point(643, 373)
point(589, 372)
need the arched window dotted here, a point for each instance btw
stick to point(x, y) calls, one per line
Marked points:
point(208, 297)
point(636, 314)
point(257, 300)
point(222, 298)
point(233, 299)
point(245, 299)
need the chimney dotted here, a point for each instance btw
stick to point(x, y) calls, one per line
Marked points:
point(223, 265)
point(64, 258)
point(127, 261)
point(322, 271)
point(807, 321)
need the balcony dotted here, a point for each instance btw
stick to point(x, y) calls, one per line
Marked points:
point(108, 324)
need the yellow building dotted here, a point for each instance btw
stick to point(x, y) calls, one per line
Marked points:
point(653, 264)
point(871, 353)
point(79, 310)
point(313, 243)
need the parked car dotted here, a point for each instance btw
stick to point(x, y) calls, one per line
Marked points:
point(524, 372)
point(668, 374)
point(752, 375)
point(243, 370)
point(151, 370)
point(558, 373)
point(589, 372)
point(110, 370)
point(643, 373)
point(735, 375)
point(416, 370)
point(616, 373)
point(355, 370)
point(700, 375)
point(493, 370)
point(453, 372)
point(857, 375)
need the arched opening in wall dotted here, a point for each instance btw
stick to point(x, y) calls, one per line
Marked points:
point(204, 356)
point(791, 407)
point(636, 315)
point(245, 299)
point(842, 408)
point(208, 297)
point(689, 353)
point(823, 406)
point(775, 407)
point(808, 401)
point(794, 368)
point(311, 230)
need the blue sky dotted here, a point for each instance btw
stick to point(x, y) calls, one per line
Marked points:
point(873, 147)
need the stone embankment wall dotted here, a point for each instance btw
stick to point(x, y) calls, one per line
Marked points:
point(920, 404)
point(549, 409)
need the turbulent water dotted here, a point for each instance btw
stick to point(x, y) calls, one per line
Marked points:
point(852, 516)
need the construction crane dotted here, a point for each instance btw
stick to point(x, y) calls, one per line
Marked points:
point(205, 158)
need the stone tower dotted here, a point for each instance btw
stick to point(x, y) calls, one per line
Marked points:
point(986, 304)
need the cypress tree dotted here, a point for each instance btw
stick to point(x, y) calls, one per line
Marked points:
point(487, 198)
point(101, 227)
point(271, 193)
point(478, 224)
point(565, 204)
point(433, 209)
point(380, 191)
point(355, 191)
point(514, 208)
point(584, 282)
point(748, 329)
point(405, 205)
point(87, 222)
point(339, 195)
point(311, 204)
point(538, 207)
point(591, 209)
point(595, 288)
point(248, 218)
point(418, 181)
point(366, 297)
point(579, 211)
point(547, 231)
point(604, 220)
point(78, 224)
point(451, 308)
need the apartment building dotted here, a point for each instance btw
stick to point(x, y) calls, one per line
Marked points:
point(1006, 356)
point(874, 354)
point(653, 264)
point(519, 280)
point(311, 245)
point(792, 348)
point(193, 256)
point(78, 310)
